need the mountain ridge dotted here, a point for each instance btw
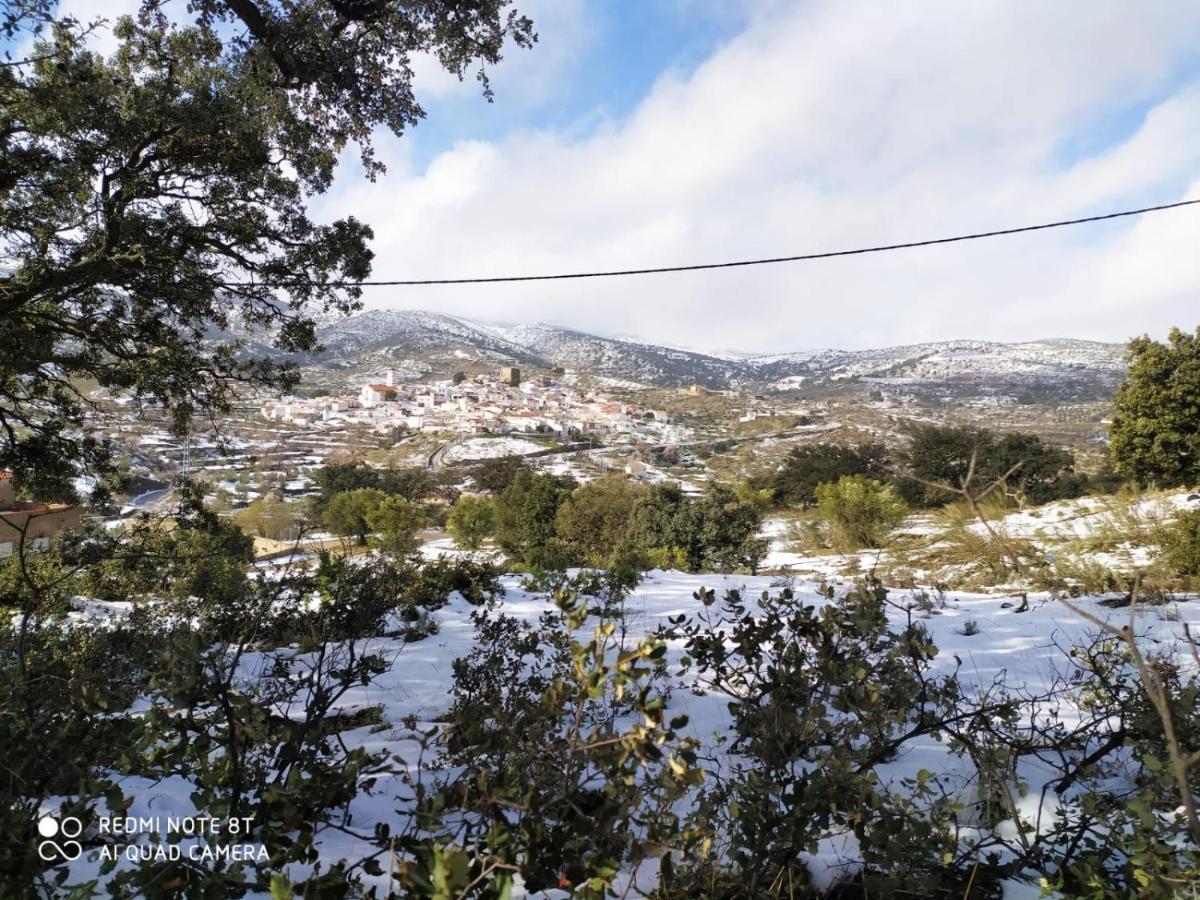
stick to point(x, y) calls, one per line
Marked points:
point(421, 343)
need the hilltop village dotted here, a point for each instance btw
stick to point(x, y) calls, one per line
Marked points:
point(485, 404)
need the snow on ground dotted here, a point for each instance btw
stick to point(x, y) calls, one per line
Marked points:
point(1027, 648)
point(1089, 516)
point(491, 448)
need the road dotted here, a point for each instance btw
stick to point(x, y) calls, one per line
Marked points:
point(142, 501)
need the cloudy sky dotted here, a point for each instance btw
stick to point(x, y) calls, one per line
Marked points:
point(663, 132)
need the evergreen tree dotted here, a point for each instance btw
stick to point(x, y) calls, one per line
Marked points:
point(472, 520)
point(526, 511)
point(347, 513)
point(805, 467)
point(396, 523)
point(591, 523)
point(1155, 434)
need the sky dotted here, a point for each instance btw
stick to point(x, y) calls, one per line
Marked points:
point(670, 132)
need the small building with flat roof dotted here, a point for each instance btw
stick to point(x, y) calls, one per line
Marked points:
point(31, 526)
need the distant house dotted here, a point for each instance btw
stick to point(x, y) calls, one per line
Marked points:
point(635, 468)
point(511, 376)
point(374, 394)
point(30, 524)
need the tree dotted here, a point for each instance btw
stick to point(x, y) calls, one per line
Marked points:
point(943, 454)
point(591, 523)
point(156, 198)
point(859, 512)
point(458, 377)
point(494, 475)
point(471, 521)
point(271, 518)
point(347, 513)
point(805, 467)
point(1155, 433)
point(396, 523)
point(716, 532)
point(657, 522)
point(525, 518)
point(723, 532)
point(1039, 473)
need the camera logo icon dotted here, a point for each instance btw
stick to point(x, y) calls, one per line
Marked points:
point(58, 838)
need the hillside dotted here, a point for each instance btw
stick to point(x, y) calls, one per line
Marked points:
point(418, 344)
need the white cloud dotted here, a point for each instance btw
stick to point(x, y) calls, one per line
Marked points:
point(834, 125)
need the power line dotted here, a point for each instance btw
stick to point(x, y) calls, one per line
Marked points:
point(859, 251)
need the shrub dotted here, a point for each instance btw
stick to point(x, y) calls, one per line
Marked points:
point(810, 728)
point(859, 512)
point(1180, 542)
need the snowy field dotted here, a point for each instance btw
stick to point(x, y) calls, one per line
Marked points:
point(1028, 648)
point(491, 448)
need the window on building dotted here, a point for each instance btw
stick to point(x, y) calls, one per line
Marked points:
point(6, 549)
point(40, 544)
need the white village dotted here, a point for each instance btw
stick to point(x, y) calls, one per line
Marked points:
point(484, 404)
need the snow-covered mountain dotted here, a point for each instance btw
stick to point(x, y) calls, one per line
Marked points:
point(414, 340)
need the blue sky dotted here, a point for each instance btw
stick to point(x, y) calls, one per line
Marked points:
point(627, 46)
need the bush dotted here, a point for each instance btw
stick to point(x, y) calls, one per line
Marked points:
point(1180, 542)
point(859, 512)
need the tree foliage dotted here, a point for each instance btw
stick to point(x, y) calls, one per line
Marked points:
point(945, 454)
point(590, 524)
point(1155, 434)
point(526, 512)
point(472, 521)
point(396, 523)
point(347, 513)
point(859, 512)
point(336, 478)
point(158, 197)
point(805, 467)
